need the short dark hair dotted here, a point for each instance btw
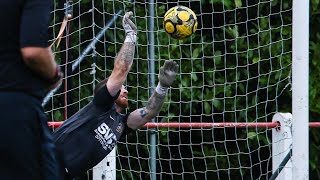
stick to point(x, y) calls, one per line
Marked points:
point(100, 85)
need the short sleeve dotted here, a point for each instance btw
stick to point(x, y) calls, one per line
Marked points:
point(126, 130)
point(35, 20)
point(103, 98)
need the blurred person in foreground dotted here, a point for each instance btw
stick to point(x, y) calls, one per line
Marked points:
point(27, 72)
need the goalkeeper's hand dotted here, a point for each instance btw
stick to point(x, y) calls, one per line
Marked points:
point(168, 73)
point(129, 27)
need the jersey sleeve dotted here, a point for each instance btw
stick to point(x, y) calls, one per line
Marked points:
point(35, 20)
point(126, 130)
point(102, 98)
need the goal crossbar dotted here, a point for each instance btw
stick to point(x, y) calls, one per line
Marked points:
point(204, 125)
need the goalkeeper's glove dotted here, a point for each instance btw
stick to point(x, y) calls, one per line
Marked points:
point(129, 27)
point(166, 76)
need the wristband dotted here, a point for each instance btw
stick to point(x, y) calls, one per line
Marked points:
point(131, 37)
point(161, 90)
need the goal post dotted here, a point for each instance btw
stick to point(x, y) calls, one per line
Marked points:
point(106, 169)
point(246, 62)
point(300, 89)
point(282, 144)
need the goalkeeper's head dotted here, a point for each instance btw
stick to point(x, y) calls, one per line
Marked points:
point(122, 100)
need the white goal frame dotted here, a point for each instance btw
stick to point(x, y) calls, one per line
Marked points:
point(300, 89)
point(293, 132)
point(300, 95)
point(299, 139)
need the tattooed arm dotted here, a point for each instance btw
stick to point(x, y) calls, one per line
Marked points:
point(143, 115)
point(123, 61)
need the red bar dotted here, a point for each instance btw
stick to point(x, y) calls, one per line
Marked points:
point(210, 125)
point(314, 124)
point(197, 125)
point(54, 124)
point(204, 125)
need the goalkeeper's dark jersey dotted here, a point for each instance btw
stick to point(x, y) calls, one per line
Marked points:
point(89, 135)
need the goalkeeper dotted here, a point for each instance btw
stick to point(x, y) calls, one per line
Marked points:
point(89, 135)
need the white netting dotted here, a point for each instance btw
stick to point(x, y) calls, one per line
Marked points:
point(235, 68)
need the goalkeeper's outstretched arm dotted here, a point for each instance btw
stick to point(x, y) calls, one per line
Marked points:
point(124, 59)
point(141, 116)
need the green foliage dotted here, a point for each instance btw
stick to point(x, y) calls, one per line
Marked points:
point(314, 95)
point(235, 68)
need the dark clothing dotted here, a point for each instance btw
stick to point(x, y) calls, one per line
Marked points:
point(89, 135)
point(26, 147)
point(24, 24)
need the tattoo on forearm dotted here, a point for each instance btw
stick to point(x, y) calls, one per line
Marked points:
point(143, 113)
point(126, 53)
point(155, 103)
point(152, 109)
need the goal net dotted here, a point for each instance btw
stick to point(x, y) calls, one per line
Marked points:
point(234, 69)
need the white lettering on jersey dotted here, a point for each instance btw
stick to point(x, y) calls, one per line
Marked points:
point(105, 136)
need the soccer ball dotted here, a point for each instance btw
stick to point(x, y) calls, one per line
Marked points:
point(180, 22)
